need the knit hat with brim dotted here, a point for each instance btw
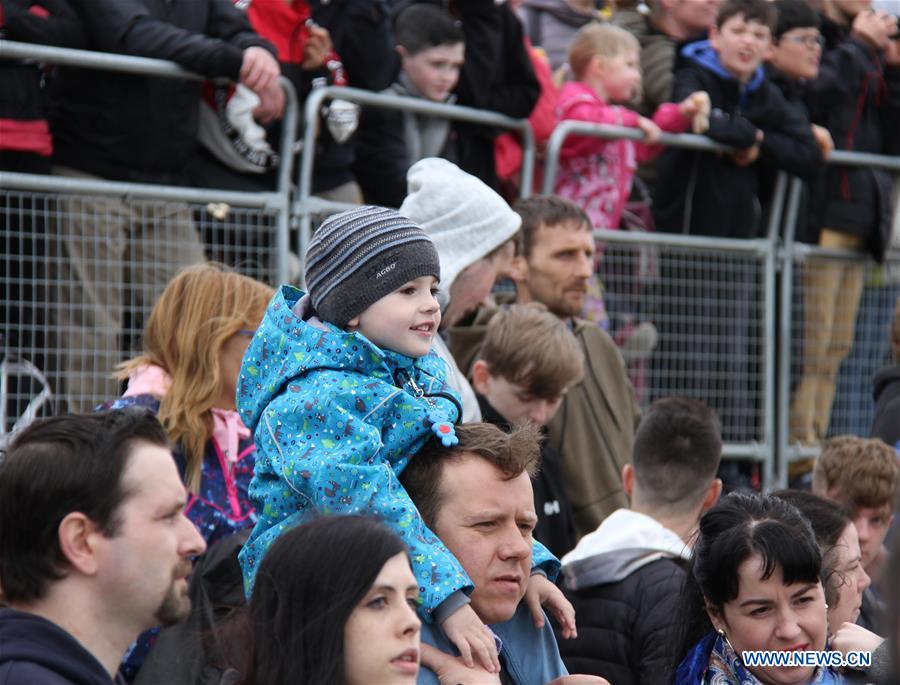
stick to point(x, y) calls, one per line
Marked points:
point(464, 217)
point(357, 257)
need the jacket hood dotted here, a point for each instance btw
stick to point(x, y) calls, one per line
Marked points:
point(702, 53)
point(29, 639)
point(886, 383)
point(623, 543)
point(315, 344)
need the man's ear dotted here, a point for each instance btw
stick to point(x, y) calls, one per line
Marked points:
point(518, 270)
point(628, 480)
point(77, 541)
point(481, 377)
point(712, 494)
point(401, 51)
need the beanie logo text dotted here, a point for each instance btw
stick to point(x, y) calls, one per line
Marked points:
point(386, 270)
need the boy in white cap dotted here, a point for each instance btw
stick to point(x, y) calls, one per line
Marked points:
point(340, 391)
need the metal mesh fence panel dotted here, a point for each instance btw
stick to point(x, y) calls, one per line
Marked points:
point(841, 312)
point(80, 274)
point(690, 323)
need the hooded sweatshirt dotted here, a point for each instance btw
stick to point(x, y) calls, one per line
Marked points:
point(38, 652)
point(624, 580)
point(708, 194)
point(336, 419)
point(887, 406)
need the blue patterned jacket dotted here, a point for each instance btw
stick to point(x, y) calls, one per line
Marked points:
point(336, 420)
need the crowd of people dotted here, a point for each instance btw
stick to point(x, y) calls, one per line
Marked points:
point(399, 474)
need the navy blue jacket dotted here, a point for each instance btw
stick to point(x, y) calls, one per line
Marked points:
point(38, 652)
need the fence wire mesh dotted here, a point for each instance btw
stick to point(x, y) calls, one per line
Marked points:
point(689, 322)
point(80, 274)
point(841, 313)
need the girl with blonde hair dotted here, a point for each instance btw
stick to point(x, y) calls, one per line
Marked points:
point(193, 344)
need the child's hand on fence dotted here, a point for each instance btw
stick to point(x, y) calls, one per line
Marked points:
point(472, 638)
point(650, 129)
point(541, 591)
point(823, 140)
point(696, 107)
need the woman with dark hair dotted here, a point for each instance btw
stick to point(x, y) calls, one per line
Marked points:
point(843, 575)
point(753, 584)
point(334, 602)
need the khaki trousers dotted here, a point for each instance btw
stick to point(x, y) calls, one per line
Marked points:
point(109, 247)
point(832, 292)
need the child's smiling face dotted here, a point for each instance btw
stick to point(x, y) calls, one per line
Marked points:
point(742, 45)
point(405, 320)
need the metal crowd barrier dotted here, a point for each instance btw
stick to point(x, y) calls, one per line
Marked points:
point(78, 342)
point(765, 353)
point(803, 269)
point(712, 301)
point(307, 206)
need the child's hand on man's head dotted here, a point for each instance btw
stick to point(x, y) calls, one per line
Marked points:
point(472, 638)
point(696, 107)
point(541, 591)
point(651, 131)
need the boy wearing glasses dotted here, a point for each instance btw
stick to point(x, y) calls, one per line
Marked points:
point(794, 58)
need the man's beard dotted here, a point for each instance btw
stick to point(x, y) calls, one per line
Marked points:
point(176, 605)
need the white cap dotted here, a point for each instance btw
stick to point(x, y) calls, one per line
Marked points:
point(464, 217)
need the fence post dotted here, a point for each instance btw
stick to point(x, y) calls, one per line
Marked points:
point(785, 333)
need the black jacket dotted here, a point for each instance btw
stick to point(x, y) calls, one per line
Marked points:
point(556, 522)
point(708, 194)
point(37, 652)
point(625, 627)
point(21, 96)
point(497, 76)
point(858, 100)
point(143, 128)
point(886, 393)
point(794, 92)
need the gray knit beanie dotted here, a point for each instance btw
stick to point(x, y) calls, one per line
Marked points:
point(357, 257)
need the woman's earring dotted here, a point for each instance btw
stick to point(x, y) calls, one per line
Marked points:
point(721, 632)
point(826, 606)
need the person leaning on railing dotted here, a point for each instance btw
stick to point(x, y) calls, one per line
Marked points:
point(856, 96)
point(127, 127)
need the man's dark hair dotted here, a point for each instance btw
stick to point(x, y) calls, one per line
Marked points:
point(794, 14)
point(761, 11)
point(54, 467)
point(549, 211)
point(510, 453)
point(676, 451)
point(420, 27)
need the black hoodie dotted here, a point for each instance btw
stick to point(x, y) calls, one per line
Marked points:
point(886, 393)
point(38, 652)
